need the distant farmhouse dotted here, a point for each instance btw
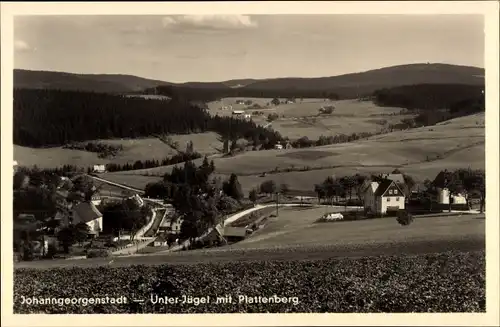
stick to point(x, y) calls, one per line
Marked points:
point(241, 114)
point(99, 169)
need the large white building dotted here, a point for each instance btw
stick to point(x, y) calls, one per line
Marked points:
point(384, 196)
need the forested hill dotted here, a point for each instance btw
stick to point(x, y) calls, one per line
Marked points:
point(53, 117)
point(431, 96)
point(29, 79)
point(345, 86)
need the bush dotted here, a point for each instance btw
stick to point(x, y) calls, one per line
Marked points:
point(98, 253)
point(404, 218)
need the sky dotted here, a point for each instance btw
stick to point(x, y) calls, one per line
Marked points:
point(206, 48)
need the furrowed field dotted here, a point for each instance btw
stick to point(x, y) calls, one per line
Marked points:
point(446, 282)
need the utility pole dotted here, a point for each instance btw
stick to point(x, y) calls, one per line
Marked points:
point(277, 203)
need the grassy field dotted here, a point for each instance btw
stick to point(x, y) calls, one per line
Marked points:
point(298, 227)
point(134, 149)
point(301, 119)
point(420, 152)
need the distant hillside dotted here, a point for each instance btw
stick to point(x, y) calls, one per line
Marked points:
point(28, 79)
point(371, 80)
point(344, 86)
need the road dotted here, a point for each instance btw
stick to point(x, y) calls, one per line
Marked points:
point(317, 252)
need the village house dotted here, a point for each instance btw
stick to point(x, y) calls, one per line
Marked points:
point(99, 169)
point(443, 193)
point(383, 197)
point(85, 212)
point(161, 240)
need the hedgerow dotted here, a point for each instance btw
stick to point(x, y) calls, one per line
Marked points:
point(446, 282)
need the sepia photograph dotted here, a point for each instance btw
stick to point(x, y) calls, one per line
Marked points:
point(249, 163)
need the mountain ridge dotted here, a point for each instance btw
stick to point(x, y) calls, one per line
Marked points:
point(367, 80)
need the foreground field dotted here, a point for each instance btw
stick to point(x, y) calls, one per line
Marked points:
point(134, 149)
point(446, 282)
point(298, 227)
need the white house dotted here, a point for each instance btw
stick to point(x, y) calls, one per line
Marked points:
point(443, 197)
point(87, 213)
point(383, 197)
point(278, 146)
point(99, 169)
point(96, 199)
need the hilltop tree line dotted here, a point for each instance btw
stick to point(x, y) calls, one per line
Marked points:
point(53, 117)
point(213, 93)
point(434, 102)
point(145, 164)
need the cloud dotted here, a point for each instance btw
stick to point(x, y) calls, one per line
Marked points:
point(209, 22)
point(21, 46)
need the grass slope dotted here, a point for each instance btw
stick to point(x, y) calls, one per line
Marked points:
point(420, 152)
point(301, 118)
point(134, 149)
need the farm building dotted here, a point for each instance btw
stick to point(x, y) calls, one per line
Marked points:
point(171, 226)
point(96, 199)
point(136, 199)
point(99, 169)
point(443, 193)
point(278, 146)
point(234, 234)
point(384, 196)
point(241, 114)
point(160, 241)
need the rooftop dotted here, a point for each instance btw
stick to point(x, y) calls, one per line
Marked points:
point(87, 211)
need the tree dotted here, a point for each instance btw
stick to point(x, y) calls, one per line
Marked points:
point(359, 184)
point(232, 187)
point(252, 195)
point(284, 188)
point(320, 191)
point(268, 187)
point(348, 184)
point(189, 147)
point(67, 238)
point(82, 231)
point(455, 187)
point(275, 101)
point(474, 181)
point(409, 184)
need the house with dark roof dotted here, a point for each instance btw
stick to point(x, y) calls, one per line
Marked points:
point(87, 213)
point(160, 241)
point(443, 196)
point(384, 196)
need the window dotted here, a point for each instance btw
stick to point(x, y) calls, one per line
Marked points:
point(390, 191)
point(388, 199)
point(397, 199)
point(395, 191)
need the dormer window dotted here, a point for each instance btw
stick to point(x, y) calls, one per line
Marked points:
point(390, 191)
point(395, 191)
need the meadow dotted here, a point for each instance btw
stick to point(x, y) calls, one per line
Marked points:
point(299, 227)
point(134, 149)
point(421, 153)
point(302, 118)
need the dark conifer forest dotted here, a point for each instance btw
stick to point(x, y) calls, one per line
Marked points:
point(52, 118)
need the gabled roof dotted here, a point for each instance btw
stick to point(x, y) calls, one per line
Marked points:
point(161, 238)
point(384, 186)
point(87, 211)
point(398, 178)
point(235, 231)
